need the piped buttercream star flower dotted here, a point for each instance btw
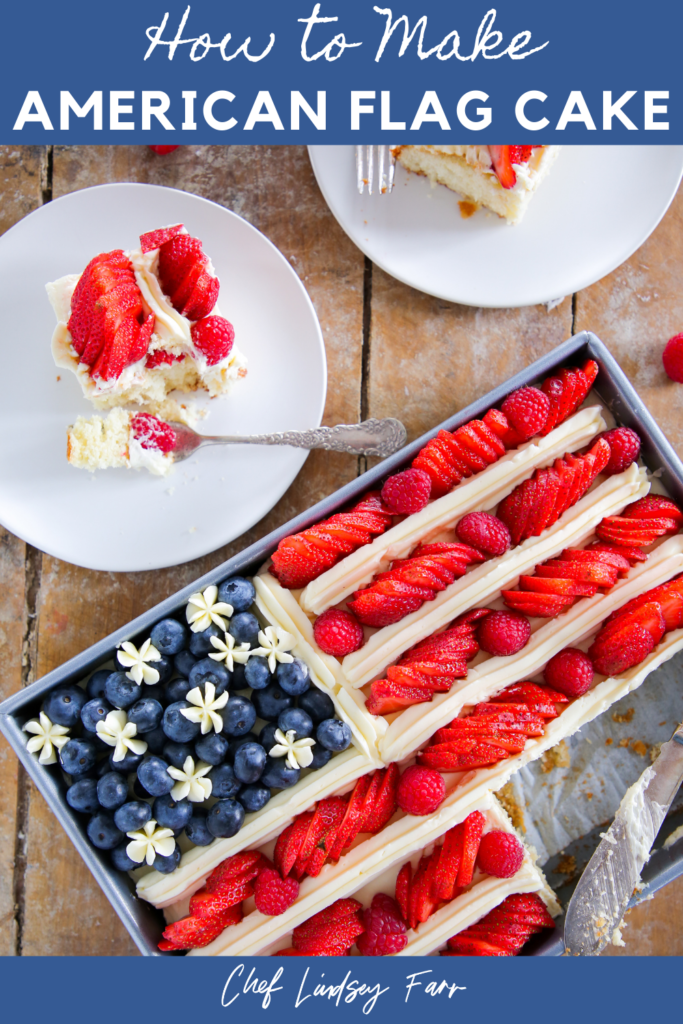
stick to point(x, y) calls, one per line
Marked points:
point(207, 706)
point(191, 784)
point(229, 652)
point(119, 733)
point(47, 738)
point(137, 661)
point(298, 752)
point(149, 841)
point(275, 642)
point(204, 608)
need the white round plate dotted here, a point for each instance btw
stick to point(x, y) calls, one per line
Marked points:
point(126, 520)
point(595, 208)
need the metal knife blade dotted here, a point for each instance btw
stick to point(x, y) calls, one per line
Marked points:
point(608, 881)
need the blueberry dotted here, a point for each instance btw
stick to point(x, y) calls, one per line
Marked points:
point(271, 702)
point(250, 760)
point(95, 687)
point(176, 753)
point(238, 592)
point(212, 748)
point(256, 673)
point(245, 628)
point(333, 734)
point(238, 680)
point(175, 691)
point(294, 678)
point(120, 690)
point(223, 781)
point(64, 704)
point(297, 720)
point(253, 798)
point(78, 756)
point(278, 775)
point(103, 767)
point(176, 726)
point(120, 858)
point(153, 775)
point(170, 636)
point(316, 704)
point(320, 757)
point(267, 736)
point(183, 663)
point(95, 711)
point(208, 671)
point(164, 667)
point(102, 832)
point(112, 790)
point(146, 714)
point(166, 865)
point(225, 819)
point(171, 813)
point(155, 740)
point(82, 796)
point(139, 790)
point(132, 815)
point(200, 643)
point(239, 741)
point(239, 714)
point(130, 763)
point(196, 830)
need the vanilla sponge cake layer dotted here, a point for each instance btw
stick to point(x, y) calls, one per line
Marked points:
point(477, 183)
point(98, 443)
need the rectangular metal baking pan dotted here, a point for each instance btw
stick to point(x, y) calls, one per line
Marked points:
point(143, 922)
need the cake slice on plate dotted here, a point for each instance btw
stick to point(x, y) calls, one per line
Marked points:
point(500, 178)
point(122, 438)
point(136, 325)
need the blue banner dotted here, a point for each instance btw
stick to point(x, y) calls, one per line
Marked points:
point(327, 71)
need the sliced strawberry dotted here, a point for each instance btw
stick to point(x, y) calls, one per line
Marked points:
point(353, 818)
point(654, 506)
point(480, 756)
point(289, 843)
point(472, 947)
point(598, 573)
point(554, 389)
point(624, 649)
point(497, 422)
point(212, 904)
point(327, 816)
point(633, 555)
point(450, 857)
point(501, 158)
point(387, 697)
point(608, 557)
point(545, 606)
point(154, 239)
point(421, 902)
point(402, 893)
point(563, 587)
point(634, 532)
point(198, 932)
point(473, 831)
point(384, 803)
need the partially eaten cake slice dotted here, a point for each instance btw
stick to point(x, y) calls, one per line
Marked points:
point(121, 439)
point(135, 326)
point(500, 178)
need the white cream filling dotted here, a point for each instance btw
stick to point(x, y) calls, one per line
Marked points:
point(481, 492)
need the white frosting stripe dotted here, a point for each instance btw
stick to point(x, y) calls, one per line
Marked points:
point(483, 490)
point(479, 585)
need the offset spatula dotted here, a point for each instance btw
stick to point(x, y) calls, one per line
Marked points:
point(607, 884)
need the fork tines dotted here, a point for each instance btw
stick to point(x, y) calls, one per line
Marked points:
point(375, 167)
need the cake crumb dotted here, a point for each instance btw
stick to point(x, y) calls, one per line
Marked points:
point(467, 209)
point(640, 748)
point(609, 741)
point(625, 742)
point(193, 529)
point(59, 376)
point(589, 796)
point(556, 757)
point(617, 937)
point(654, 751)
point(507, 798)
point(663, 723)
point(567, 866)
point(626, 717)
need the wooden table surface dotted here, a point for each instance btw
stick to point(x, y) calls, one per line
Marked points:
point(392, 351)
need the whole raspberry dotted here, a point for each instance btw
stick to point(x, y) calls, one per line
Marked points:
point(338, 633)
point(503, 633)
point(273, 894)
point(672, 357)
point(420, 790)
point(500, 854)
point(163, 150)
point(527, 411)
point(213, 336)
point(570, 672)
point(385, 930)
point(407, 492)
point(485, 532)
point(624, 446)
point(152, 432)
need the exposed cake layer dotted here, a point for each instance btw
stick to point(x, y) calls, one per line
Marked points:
point(482, 491)
point(109, 442)
point(465, 169)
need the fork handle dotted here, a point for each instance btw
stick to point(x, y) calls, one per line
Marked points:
point(371, 437)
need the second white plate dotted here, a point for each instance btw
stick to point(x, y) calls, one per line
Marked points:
point(124, 520)
point(595, 208)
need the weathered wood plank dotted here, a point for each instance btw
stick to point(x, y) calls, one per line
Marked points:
point(275, 190)
point(21, 186)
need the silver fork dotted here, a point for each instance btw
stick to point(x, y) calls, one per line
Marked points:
point(371, 159)
point(371, 437)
